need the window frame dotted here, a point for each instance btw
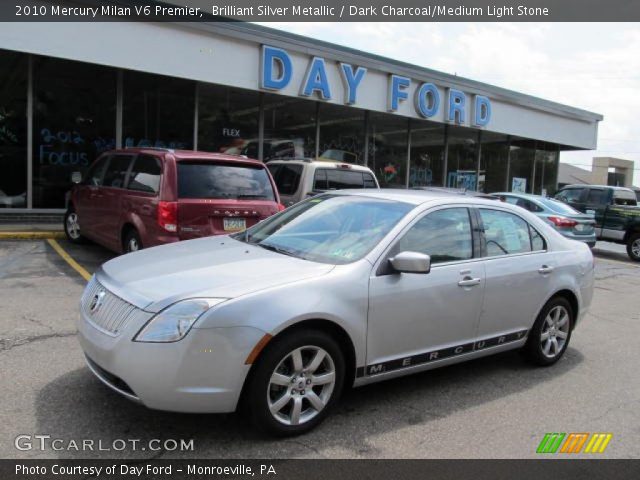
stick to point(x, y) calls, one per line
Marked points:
point(483, 238)
point(383, 266)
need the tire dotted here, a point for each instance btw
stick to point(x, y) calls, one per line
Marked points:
point(274, 385)
point(132, 242)
point(633, 247)
point(72, 227)
point(550, 335)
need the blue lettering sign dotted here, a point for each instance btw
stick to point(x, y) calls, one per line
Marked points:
point(482, 111)
point(427, 100)
point(397, 91)
point(457, 100)
point(351, 81)
point(316, 80)
point(274, 59)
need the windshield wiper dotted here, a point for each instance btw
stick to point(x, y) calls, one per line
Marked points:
point(274, 248)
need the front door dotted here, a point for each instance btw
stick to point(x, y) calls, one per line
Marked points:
point(418, 318)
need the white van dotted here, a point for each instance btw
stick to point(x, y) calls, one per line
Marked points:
point(298, 179)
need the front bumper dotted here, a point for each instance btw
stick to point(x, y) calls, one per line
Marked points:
point(202, 373)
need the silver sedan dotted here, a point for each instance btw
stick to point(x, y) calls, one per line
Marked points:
point(340, 290)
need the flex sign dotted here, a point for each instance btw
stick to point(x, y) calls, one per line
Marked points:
point(276, 73)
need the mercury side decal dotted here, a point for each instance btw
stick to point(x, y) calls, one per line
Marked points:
point(441, 354)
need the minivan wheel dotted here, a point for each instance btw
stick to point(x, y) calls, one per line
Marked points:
point(72, 227)
point(633, 247)
point(550, 335)
point(132, 242)
point(295, 383)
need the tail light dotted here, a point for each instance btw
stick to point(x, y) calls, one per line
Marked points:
point(168, 216)
point(562, 222)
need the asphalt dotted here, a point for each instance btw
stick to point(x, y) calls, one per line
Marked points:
point(497, 407)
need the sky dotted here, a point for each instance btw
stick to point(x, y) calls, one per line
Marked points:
point(592, 66)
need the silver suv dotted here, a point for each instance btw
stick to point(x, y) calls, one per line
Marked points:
point(342, 289)
point(300, 179)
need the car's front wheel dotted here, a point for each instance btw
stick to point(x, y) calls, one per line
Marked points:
point(295, 383)
point(550, 335)
point(72, 227)
point(633, 247)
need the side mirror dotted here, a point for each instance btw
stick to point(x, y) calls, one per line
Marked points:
point(76, 177)
point(411, 262)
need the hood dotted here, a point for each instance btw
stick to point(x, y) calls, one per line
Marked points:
point(208, 267)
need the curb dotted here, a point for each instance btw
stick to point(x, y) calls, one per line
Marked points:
point(30, 235)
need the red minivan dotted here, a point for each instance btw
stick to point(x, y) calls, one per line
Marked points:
point(141, 197)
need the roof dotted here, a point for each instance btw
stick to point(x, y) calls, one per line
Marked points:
point(570, 174)
point(415, 197)
point(321, 163)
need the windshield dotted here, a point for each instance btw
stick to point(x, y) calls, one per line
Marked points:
point(558, 207)
point(216, 180)
point(335, 229)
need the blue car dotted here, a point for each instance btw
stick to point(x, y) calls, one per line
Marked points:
point(565, 219)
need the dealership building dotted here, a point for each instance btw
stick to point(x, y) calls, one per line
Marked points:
point(69, 91)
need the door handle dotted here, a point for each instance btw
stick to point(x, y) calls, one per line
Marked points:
point(545, 270)
point(469, 282)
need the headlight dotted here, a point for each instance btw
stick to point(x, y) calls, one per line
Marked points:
point(174, 322)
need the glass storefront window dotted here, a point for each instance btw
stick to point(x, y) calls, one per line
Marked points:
point(547, 160)
point(342, 133)
point(494, 154)
point(521, 160)
point(74, 120)
point(427, 154)
point(13, 130)
point(158, 111)
point(228, 120)
point(289, 128)
point(388, 135)
point(462, 163)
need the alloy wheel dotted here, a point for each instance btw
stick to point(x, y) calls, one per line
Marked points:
point(73, 226)
point(301, 385)
point(635, 248)
point(555, 331)
point(133, 245)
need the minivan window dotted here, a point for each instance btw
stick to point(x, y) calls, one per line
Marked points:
point(226, 181)
point(336, 179)
point(145, 174)
point(444, 235)
point(505, 233)
point(116, 174)
point(95, 175)
point(287, 177)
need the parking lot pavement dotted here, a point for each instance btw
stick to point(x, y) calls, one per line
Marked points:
point(495, 407)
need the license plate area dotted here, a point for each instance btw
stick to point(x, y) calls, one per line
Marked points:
point(234, 224)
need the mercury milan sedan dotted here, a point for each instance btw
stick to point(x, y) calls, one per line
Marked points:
point(343, 289)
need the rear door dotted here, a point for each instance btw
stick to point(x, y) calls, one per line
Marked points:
point(87, 194)
point(517, 266)
point(216, 198)
point(141, 199)
point(109, 209)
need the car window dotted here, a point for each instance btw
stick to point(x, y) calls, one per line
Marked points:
point(570, 195)
point(336, 179)
point(505, 233)
point(145, 174)
point(537, 240)
point(287, 177)
point(217, 180)
point(624, 197)
point(95, 175)
point(559, 207)
point(596, 196)
point(116, 174)
point(444, 235)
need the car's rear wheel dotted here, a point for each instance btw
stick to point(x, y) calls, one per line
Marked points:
point(295, 383)
point(550, 335)
point(633, 247)
point(132, 242)
point(72, 227)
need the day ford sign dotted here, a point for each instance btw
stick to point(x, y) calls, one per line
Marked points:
point(276, 73)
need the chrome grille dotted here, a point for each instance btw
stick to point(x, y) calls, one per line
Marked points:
point(112, 314)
